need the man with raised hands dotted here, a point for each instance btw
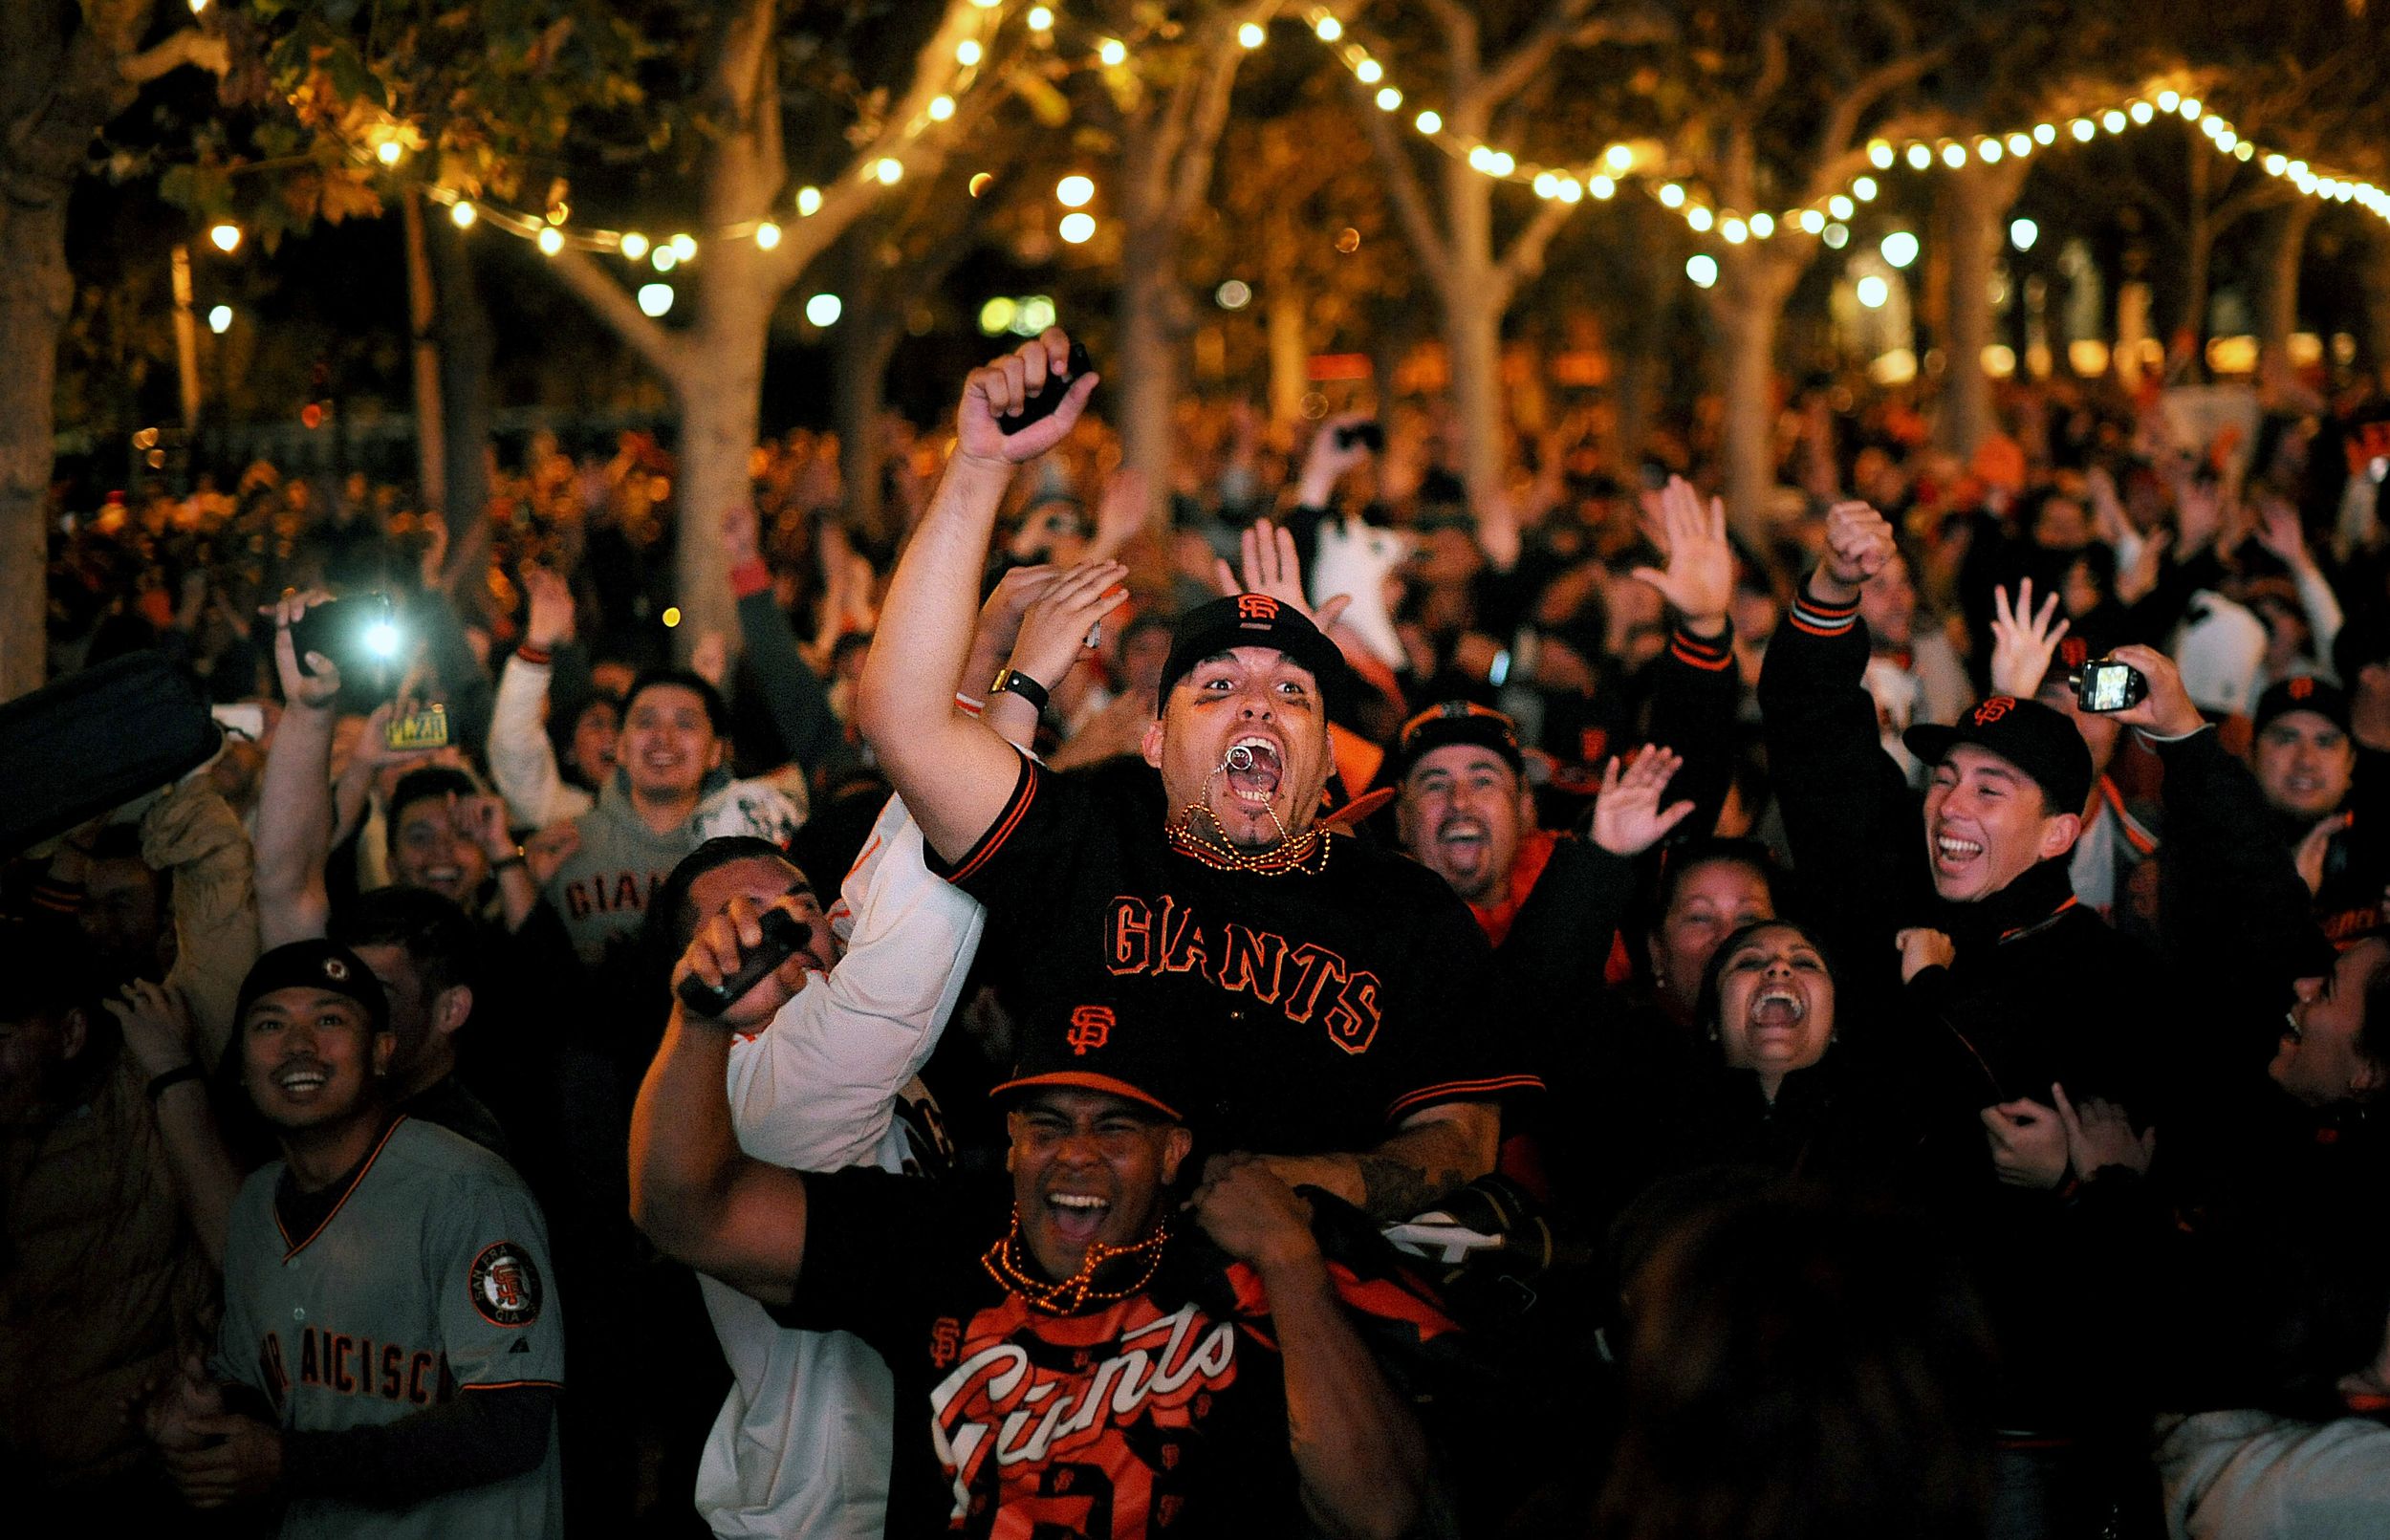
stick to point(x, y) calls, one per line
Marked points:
point(1343, 993)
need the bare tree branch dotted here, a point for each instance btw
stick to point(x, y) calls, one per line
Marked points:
point(1208, 118)
point(1510, 74)
point(846, 196)
point(663, 351)
point(1841, 126)
point(1410, 199)
point(189, 46)
point(1525, 258)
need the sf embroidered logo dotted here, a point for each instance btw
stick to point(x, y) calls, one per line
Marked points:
point(1259, 607)
point(946, 1339)
point(505, 1285)
point(1091, 1026)
point(1993, 708)
point(2302, 687)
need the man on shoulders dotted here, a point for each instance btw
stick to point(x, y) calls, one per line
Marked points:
point(1346, 989)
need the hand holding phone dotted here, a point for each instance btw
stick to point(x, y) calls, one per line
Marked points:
point(1041, 403)
point(784, 936)
point(2105, 685)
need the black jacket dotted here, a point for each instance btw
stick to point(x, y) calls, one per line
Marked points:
point(2042, 989)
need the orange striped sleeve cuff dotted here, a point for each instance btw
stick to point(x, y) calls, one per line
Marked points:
point(1485, 1090)
point(1713, 654)
point(1015, 808)
point(1820, 619)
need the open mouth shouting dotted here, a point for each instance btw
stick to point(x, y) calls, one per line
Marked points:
point(1255, 764)
point(1777, 1010)
point(1954, 854)
point(1077, 1218)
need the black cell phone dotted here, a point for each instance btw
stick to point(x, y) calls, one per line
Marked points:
point(2105, 685)
point(360, 634)
point(1369, 436)
point(784, 936)
point(1041, 404)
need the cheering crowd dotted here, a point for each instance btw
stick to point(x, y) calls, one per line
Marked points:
point(1356, 1012)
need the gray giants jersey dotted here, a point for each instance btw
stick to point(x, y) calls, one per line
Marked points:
point(430, 1279)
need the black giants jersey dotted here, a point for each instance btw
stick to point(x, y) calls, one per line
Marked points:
point(1149, 1417)
point(1334, 997)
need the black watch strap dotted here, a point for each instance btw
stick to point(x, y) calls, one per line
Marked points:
point(1022, 685)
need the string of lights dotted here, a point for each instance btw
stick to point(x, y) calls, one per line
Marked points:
point(553, 232)
point(1601, 177)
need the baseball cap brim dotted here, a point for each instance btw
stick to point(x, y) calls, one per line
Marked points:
point(1085, 1080)
point(1221, 627)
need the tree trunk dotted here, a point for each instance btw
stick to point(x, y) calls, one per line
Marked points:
point(1745, 304)
point(863, 345)
point(721, 410)
point(1145, 378)
point(1474, 305)
point(2199, 240)
point(2374, 274)
point(2279, 305)
point(1976, 202)
point(35, 293)
point(461, 323)
point(1285, 319)
point(423, 309)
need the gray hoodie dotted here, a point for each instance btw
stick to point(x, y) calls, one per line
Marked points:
point(602, 891)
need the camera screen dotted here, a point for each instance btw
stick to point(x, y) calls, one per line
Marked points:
point(2108, 686)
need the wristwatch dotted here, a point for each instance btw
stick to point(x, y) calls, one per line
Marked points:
point(1020, 685)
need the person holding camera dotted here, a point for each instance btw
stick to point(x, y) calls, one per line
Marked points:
point(1347, 986)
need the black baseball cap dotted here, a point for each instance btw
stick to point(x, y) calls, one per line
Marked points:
point(1457, 722)
point(2038, 740)
point(2304, 693)
point(1251, 620)
point(316, 965)
point(1099, 1046)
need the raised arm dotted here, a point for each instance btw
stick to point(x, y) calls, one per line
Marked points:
point(692, 1191)
point(1846, 806)
point(522, 760)
point(792, 691)
point(193, 834)
point(1696, 689)
point(1358, 1452)
point(294, 835)
point(955, 773)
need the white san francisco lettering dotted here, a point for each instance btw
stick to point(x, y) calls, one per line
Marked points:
point(997, 1399)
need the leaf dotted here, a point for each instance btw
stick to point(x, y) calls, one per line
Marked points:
point(348, 196)
point(351, 78)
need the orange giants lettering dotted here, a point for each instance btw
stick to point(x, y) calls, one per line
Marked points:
point(1295, 978)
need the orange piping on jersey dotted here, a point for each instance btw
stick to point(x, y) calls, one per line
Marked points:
point(1464, 1090)
point(995, 837)
point(2134, 836)
point(2045, 922)
point(515, 1385)
point(362, 1172)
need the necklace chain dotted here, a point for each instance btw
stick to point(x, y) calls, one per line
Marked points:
point(1292, 851)
point(1076, 1291)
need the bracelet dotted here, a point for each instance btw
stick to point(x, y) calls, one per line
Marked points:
point(1022, 685)
point(161, 1084)
point(536, 656)
point(518, 859)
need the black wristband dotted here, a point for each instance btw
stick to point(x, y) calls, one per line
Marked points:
point(1022, 685)
point(161, 1084)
